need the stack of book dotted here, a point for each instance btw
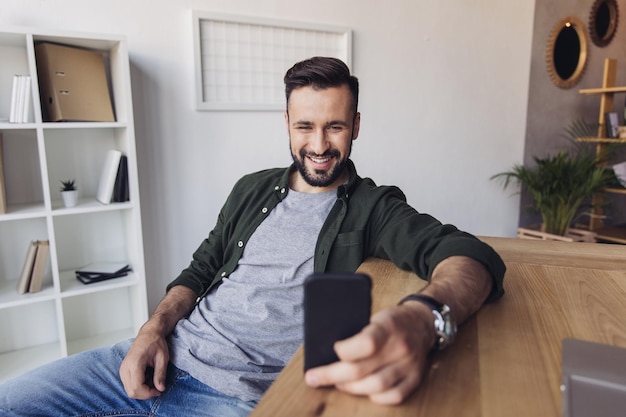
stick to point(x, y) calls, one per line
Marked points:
point(113, 186)
point(20, 99)
point(102, 271)
point(31, 279)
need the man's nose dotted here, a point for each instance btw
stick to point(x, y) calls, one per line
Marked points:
point(319, 142)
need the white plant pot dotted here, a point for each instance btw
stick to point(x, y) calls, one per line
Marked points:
point(620, 173)
point(70, 198)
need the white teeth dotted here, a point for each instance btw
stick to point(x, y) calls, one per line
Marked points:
point(319, 160)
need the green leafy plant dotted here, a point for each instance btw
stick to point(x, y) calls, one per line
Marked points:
point(68, 185)
point(560, 183)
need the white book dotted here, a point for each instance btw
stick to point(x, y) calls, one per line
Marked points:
point(14, 93)
point(27, 95)
point(107, 179)
point(19, 107)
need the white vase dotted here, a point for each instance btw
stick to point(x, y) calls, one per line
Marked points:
point(70, 198)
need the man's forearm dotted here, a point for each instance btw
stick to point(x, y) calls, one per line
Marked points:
point(177, 303)
point(462, 283)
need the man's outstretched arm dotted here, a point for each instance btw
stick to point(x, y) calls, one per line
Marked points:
point(386, 361)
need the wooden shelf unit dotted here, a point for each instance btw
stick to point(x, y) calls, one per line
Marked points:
point(616, 233)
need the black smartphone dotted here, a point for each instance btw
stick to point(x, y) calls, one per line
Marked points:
point(336, 306)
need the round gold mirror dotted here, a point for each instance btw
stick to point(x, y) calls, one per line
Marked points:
point(566, 53)
point(603, 21)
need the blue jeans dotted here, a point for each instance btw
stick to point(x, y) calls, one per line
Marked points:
point(88, 384)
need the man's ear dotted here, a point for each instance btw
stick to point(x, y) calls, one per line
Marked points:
point(286, 114)
point(356, 126)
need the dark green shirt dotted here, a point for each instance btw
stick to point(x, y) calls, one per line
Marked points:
point(366, 221)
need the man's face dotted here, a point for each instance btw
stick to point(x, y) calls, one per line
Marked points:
point(321, 126)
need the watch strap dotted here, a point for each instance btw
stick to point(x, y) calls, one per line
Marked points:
point(425, 299)
point(439, 310)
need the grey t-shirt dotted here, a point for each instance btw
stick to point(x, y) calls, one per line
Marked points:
point(243, 333)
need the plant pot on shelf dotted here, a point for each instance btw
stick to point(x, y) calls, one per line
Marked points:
point(70, 198)
point(536, 232)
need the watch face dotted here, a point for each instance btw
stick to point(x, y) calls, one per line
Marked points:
point(445, 327)
point(450, 327)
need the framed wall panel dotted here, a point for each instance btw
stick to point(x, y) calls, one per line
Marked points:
point(240, 61)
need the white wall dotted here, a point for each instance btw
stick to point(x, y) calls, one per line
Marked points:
point(444, 95)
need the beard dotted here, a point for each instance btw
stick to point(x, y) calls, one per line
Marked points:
point(320, 178)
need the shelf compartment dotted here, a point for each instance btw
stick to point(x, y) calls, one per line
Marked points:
point(91, 237)
point(22, 169)
point(79, 154)
point(15, 237)
point(93, 319)
point(13, 51)
point(29, 337)
point(115, 57)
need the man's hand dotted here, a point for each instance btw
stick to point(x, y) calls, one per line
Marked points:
point(386, 360)
point(144, 368)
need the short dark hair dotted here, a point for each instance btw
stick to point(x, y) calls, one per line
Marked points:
point(321, 73)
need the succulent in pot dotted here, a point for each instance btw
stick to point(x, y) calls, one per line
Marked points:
point(69, 192)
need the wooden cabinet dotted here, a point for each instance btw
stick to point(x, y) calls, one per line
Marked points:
point(66, 316)
point(606, 233)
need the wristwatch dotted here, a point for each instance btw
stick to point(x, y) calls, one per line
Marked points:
point(444, 323)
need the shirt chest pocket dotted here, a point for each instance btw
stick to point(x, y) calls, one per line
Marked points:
point(353, 238)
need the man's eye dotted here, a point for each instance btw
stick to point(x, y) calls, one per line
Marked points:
point(335, 128)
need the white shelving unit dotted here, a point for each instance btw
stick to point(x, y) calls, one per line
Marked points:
point(66, 316)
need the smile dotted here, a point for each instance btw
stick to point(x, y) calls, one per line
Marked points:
point(319, 159)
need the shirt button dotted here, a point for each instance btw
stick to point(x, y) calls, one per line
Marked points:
point(276, 188)
point(282, 191)
point(240, 243)
point(264, 210)
point(223, 274)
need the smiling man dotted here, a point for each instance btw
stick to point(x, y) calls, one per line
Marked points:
point(233, 318)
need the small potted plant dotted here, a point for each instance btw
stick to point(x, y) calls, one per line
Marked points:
point(69, 193)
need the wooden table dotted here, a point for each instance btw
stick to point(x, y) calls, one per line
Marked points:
point(506, 360)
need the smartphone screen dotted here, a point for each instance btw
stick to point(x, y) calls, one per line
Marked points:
point(336, 306)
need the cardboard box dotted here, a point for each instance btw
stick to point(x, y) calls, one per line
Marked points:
point(73, 84)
